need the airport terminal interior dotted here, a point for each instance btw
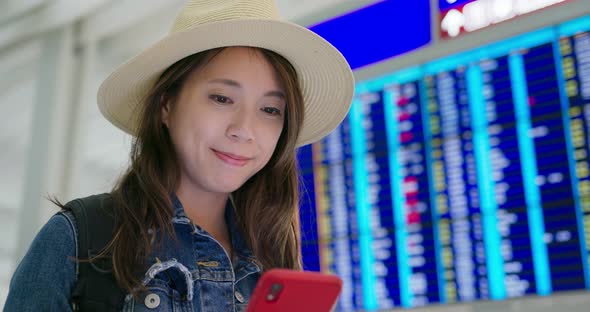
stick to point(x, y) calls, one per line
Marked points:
point(458, 181)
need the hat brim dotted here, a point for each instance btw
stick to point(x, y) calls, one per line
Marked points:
point(325, 77)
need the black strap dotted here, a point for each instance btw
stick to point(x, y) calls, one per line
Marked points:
point(96, 288)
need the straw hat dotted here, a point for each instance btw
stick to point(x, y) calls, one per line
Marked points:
point(325, 77)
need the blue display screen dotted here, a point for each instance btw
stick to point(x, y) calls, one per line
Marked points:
point(466, 178)
point(380, 31)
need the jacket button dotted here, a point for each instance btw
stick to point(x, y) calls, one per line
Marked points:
point(152, 301)
point(239, 297)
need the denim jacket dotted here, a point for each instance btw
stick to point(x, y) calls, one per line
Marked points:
point(193, 273)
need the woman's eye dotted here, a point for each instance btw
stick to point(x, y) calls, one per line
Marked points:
point(272, 111)
point(220, 99)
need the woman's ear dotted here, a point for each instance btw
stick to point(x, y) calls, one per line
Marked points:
point(165, 110)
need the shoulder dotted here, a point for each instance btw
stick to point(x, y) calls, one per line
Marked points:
point(54, 245)
point(46, 275)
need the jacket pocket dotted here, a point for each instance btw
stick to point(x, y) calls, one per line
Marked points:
point(168, 288)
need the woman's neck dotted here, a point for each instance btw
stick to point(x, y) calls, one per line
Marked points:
point(205, 209)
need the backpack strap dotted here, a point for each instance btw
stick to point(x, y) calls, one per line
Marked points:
point(96, 288)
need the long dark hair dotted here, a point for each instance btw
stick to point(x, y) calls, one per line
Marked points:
point(266, 205)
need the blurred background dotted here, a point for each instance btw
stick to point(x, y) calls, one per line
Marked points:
point(459, 181)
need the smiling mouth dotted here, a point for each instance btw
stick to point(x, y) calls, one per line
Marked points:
point(231, 159)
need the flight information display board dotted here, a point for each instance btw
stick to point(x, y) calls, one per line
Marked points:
point(467, 178)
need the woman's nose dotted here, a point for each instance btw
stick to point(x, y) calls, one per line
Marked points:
point(241, 126)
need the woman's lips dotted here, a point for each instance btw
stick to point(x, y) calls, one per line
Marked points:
point(231, 159)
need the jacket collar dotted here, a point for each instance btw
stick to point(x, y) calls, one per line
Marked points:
point(239, 245)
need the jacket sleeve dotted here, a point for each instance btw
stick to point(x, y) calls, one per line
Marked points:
point(44, 279)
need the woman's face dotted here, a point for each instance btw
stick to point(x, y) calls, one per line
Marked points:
point(227, 120)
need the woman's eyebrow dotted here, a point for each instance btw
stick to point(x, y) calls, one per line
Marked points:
point(279, 94)
point(235, 84)
point(228, 82)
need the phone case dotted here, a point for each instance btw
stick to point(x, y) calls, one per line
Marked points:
point(289, 290)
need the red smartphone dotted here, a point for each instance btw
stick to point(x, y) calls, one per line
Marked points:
point(289, 290)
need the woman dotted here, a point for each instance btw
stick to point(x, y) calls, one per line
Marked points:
point(210, 199)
